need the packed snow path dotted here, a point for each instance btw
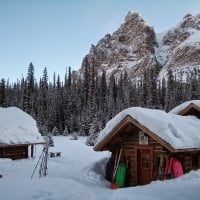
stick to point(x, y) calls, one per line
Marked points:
point(79, 174)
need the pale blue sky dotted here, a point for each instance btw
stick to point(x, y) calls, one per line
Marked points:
point(58, 33)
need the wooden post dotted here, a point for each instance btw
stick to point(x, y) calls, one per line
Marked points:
point(32, 150)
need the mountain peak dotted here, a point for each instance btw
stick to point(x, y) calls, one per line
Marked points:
point(133, 47)
point(190, 21)
point(133, 16)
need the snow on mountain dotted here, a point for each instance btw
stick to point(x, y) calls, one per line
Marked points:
point(160, 50)
point(179, 49)
point(135, 46)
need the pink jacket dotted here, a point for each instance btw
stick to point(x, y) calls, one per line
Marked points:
point(177, 168)
point(173, 165)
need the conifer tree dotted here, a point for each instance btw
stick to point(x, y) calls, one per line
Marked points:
point(163, 93)
point(59, 104)
point(86, 83)
point(29, 91)
point(51, 121)
point(112, 97)
point(170, 91)
point(152, 101)
point(55, 131)
point(2, 92)
point(194, 84)
point(42, 113)
point(103, 93)
point(126, 91)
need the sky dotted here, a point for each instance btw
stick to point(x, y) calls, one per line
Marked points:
point(58, 33)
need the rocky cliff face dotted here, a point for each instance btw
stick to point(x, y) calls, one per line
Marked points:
point(179, 48)
point(135, 47)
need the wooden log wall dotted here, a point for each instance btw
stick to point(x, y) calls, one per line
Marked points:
point(130, 140)
point(15, 152)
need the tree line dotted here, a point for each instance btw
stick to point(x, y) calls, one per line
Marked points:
point(83, 104)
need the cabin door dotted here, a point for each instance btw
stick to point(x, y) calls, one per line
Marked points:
point(144, 164)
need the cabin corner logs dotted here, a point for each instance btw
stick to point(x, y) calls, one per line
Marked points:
point(143, 155)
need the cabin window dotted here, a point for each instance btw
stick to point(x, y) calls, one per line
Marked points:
point(195, 160)
point(142, 138)
point(145, 161)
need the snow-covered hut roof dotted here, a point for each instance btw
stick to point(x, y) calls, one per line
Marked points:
point(17, 127)
point(180, 132)
point(185, 105)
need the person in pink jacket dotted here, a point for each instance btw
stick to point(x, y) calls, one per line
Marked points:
point(173, 167)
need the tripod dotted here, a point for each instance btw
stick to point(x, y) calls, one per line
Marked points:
point(43, 159)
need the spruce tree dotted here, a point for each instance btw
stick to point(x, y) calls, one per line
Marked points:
point(2, 93)
point(29, 91)
point(170, 91)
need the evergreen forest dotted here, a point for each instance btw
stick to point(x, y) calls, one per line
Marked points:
point(84, 103)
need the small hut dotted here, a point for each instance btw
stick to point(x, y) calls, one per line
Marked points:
point(146, 136)
point(18, 132)
point(188, 108)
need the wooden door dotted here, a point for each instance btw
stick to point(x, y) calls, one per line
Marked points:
point(144, 164)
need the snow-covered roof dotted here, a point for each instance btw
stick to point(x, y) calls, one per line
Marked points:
point(17, 127)
point(182, 106)
point(181, 132)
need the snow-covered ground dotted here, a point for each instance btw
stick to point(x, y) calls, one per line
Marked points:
point(79, 174)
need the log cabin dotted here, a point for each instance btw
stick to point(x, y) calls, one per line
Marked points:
point(18, 134)
point(146, 136)
point(188, 108)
